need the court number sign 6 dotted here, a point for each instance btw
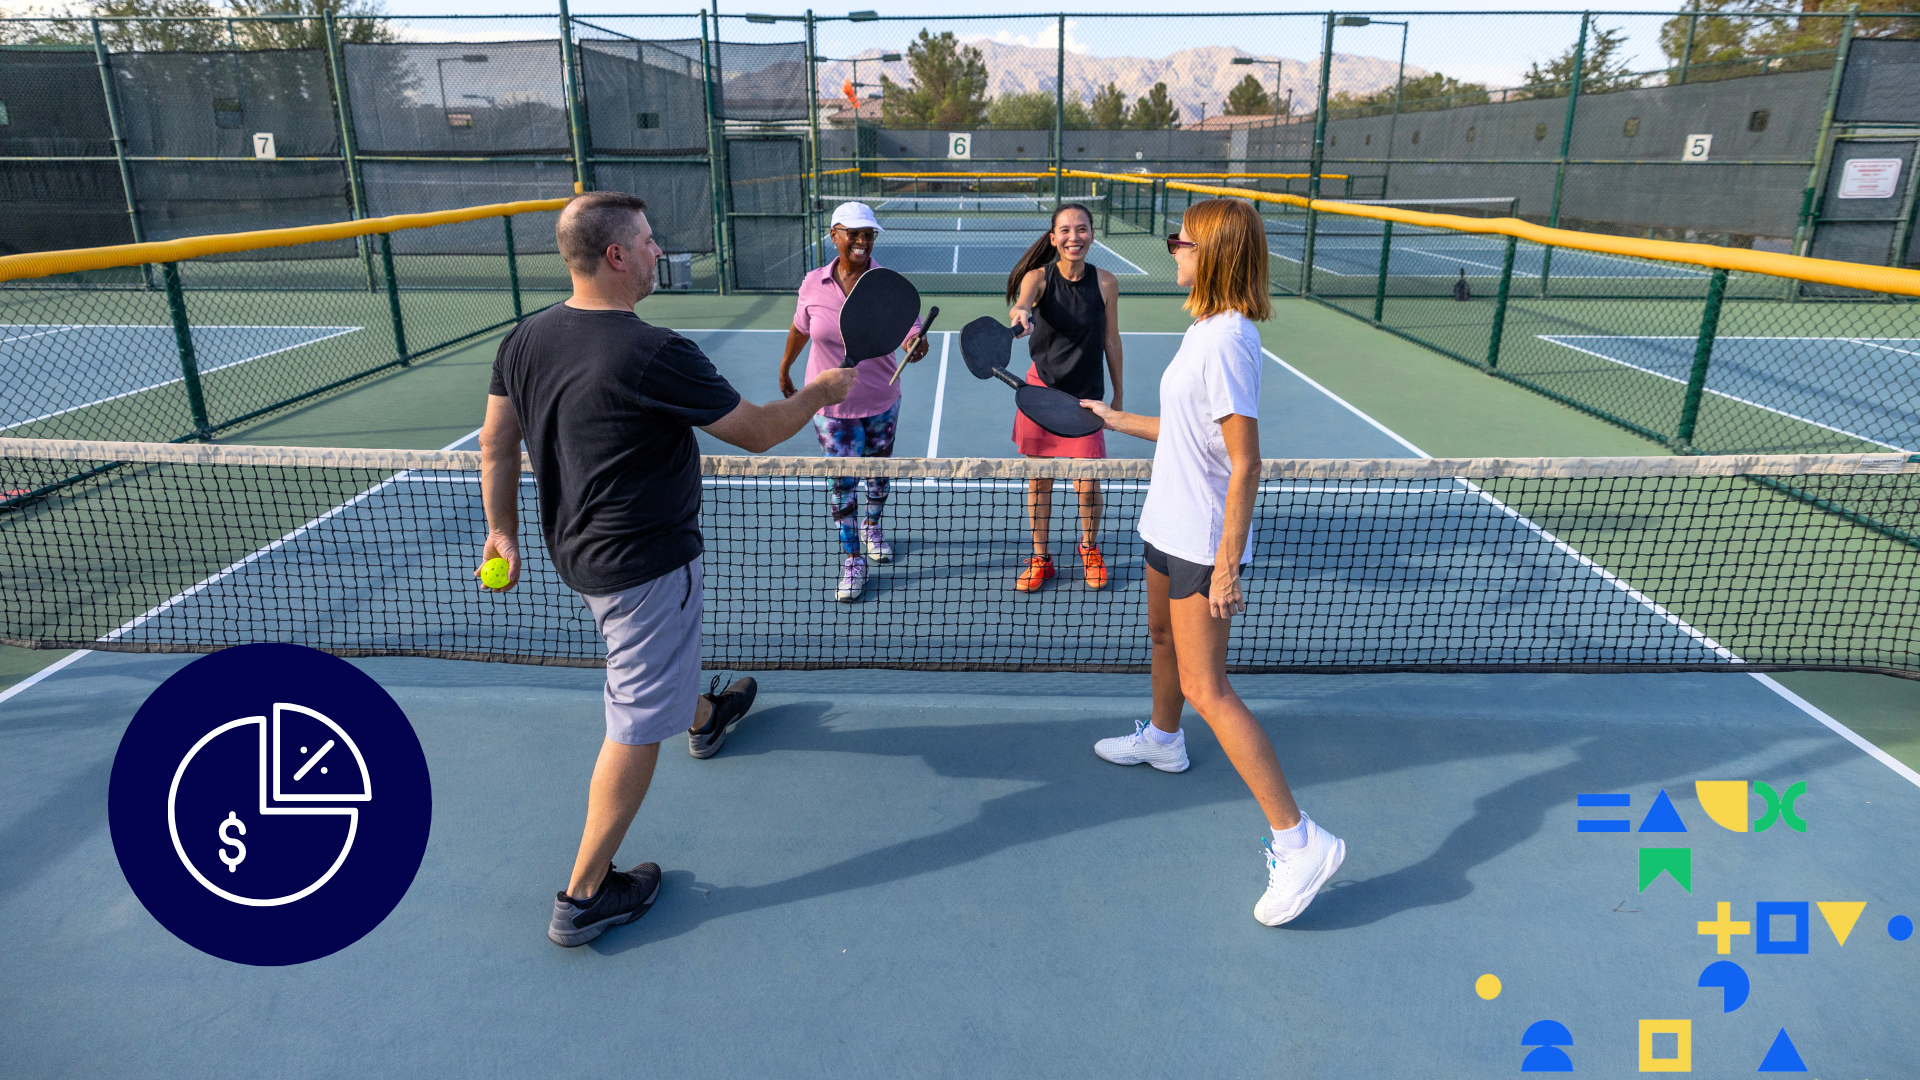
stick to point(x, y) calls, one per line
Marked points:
point(960, 146)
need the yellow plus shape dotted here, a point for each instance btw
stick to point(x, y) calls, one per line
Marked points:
point(1725, 928)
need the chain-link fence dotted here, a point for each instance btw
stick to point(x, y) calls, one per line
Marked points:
point(1729, 128)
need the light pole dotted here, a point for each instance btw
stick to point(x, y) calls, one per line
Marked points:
point(1243, 61)
point(441, 66)
point(1399, 84)
point(885, 58)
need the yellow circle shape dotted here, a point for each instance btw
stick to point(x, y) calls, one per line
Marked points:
point(1487, 986)
point(494, 573)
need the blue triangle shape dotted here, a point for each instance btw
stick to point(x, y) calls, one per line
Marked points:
point(1783, 1057)
point(1663, 817)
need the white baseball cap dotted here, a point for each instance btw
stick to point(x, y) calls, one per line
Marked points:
point(855, 215)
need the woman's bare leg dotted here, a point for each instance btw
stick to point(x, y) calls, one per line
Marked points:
point(1091, 506)
point(1200, 643)
point(1167, 698)
point(1040, 510)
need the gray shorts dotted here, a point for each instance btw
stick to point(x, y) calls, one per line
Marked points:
point(1183, 578)
point(653, 655)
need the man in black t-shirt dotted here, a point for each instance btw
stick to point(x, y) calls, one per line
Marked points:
point(607, 406)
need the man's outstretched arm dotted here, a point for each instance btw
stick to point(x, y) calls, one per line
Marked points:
point(759, 428)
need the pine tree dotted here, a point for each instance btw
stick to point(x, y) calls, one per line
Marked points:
point(947, 88)
point(1155, 110)
point(1109, 109)
point(1248, 98)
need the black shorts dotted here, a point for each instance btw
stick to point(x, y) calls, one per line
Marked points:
point(1183, 578)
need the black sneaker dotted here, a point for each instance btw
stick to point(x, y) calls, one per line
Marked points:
point(623, 897)
point(728, 706)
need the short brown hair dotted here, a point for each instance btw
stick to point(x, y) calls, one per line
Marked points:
point(592, 222)
point(1231, 260)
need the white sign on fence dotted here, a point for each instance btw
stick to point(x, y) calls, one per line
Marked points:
point(263, 146)
point(1870, 178)
point(960, 146)
point(1697, 148)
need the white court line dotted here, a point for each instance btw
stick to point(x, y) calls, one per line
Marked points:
point(1796, 700)
point(1117, 255)
point(1840, 729)
point(939, 395)
point(337, 332)
point(956, 258)
point(41, 333)
point(1558, 544)
point(216, 578)
point(1557, 339)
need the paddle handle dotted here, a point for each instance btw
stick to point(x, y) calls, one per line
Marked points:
point(1008, 377)
point(926, 328)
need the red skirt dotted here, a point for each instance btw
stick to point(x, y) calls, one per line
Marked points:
point(1035, 441)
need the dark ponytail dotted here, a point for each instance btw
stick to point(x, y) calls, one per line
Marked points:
point(1042, 252)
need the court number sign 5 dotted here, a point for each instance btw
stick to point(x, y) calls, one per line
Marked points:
point(960, 146)
point(1698, 147)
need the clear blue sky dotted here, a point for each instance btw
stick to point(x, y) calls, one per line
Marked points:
point(1491, 48)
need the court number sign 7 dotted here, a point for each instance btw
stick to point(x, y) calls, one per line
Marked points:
point(960, 146)
point(263, 146)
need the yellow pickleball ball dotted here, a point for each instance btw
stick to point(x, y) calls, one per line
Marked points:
point(494, 573)
point(1487, 986)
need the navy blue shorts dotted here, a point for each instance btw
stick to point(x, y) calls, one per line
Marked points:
point(1183, 578)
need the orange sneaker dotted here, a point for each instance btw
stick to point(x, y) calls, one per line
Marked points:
point(1039, 569)
point(1096, 566)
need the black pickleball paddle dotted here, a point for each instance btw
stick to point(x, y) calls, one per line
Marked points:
point(986, 346)
point(878, 314)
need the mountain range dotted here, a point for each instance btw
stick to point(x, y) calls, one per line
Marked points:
point(1198, 79)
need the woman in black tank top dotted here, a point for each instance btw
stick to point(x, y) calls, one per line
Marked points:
point(1072, 310)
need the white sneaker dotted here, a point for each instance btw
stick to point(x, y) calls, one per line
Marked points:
point(874, 539)
point(853, 578)
point(1294, 875)
point(1139, 747)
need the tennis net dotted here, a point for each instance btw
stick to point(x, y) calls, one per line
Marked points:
point(974, 213)
point(1629, 564)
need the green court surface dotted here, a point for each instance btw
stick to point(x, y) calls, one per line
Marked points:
point(894, 874)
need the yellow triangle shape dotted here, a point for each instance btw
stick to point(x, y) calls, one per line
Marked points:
point(1841, 915)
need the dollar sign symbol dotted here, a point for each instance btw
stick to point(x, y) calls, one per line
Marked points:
point(233, 862)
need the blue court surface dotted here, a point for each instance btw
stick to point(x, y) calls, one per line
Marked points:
point(928, 252)
point(1435, 255)
point(54, 369)
point(890, 874)
point(1841, 384)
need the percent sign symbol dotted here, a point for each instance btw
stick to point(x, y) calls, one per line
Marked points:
point(312, 761)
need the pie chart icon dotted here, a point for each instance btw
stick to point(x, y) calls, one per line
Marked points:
point(270, 804)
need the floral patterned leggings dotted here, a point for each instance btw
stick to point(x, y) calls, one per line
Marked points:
point(858, 436)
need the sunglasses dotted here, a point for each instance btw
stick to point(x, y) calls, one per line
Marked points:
point(1174, 243)
point(856, 234)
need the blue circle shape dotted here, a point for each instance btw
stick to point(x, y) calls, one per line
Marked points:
point(1899, 928)
point(270, 804)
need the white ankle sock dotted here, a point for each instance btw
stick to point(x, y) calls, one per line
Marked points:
point(1294, 838)
point(1161, 737)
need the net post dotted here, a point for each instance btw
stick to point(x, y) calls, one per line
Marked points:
point(1566, 145)
point(1319, 154)
point(715, 135)
point(1106, 208)
point(1686, 51)
point(393, 301)
point(1059, 103)
point(570, 85)
point(118, 133)
point(356, 187)
point(1500, 307)
point(1702, 355)
point(1823, 146)
point(812, 229)
point(513, 266)
point(183, 341)
point(1380, 282)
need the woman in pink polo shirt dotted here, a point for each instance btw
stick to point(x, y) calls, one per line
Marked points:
point(862, 425)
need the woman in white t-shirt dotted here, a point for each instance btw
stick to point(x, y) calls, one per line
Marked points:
point(1197, 523)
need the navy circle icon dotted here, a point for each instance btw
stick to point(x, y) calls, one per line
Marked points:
point(270, 804)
